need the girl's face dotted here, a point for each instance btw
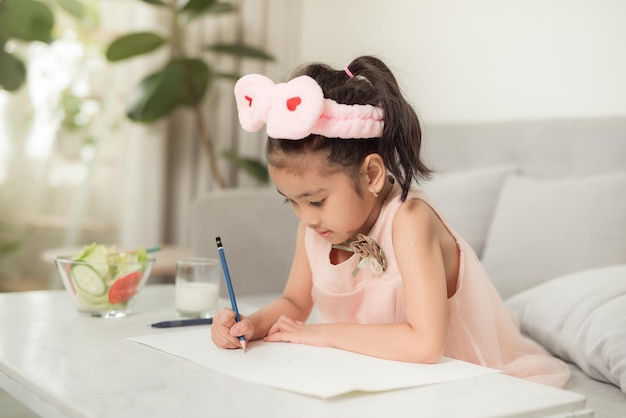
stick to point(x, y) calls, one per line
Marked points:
point(326, 202)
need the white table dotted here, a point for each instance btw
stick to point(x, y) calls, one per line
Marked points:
point(62, 364)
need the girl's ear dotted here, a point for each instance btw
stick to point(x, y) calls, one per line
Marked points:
point(374, 173)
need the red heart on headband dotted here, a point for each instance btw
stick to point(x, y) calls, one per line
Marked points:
point(250, 92)
point(289, 110)
point(295, 108)
point(293, 103)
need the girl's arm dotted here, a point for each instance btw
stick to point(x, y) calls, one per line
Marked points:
point(417, 234)
point(295, 303)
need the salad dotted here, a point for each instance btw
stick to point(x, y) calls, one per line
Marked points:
point(105, 279)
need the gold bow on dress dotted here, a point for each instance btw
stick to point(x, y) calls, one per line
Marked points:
point(370, 254)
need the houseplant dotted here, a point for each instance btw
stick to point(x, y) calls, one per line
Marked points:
point(184, 79)
point(22, 21)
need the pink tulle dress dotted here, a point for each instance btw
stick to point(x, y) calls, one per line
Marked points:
point(481, 329)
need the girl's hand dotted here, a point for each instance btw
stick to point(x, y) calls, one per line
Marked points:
point(288, 330)
point(225, 330)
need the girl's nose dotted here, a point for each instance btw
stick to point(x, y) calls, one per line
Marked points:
point(309, 218)
point(312, 224)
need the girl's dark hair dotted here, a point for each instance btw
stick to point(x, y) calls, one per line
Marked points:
point(373, 83)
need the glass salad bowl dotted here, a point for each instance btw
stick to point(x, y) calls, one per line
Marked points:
point(103, 282)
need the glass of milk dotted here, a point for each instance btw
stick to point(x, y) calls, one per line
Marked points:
point(197, 287)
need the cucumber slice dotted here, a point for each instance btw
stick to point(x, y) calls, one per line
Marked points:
point(96, 256)
point(88, 280)
point(97, 259)
point(92, 303)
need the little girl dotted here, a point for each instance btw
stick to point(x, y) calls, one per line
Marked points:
point(388, 276)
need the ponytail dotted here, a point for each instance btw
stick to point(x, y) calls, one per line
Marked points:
point(366, 80)
point(401, 141)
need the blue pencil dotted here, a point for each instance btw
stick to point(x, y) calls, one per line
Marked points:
point(229, 284)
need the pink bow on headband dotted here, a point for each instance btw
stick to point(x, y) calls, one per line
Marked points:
point(296, 109)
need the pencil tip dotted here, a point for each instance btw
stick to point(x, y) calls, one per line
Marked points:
point(243, 345)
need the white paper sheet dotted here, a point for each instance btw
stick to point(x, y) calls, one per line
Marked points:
point(315, 371)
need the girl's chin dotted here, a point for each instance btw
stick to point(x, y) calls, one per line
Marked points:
point(331, 237)
point(336, 240)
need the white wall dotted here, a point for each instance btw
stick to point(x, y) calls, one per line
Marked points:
point(483, 60)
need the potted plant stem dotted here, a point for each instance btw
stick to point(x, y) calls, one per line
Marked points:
point(184, 79)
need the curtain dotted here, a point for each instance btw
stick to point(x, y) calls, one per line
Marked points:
point(271, 25)
point(97, 177)
point(73, 170)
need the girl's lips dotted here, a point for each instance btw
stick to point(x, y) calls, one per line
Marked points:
point(325, 234)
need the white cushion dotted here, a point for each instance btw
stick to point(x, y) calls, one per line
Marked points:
point(581, 318)
point(546, 228)
point(467, 199)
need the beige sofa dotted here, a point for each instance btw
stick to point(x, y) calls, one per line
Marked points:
point(543, 204)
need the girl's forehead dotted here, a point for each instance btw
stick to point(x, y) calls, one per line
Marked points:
point(307, 164)
point(314, 180)
point(311, 174)
point(298, 164)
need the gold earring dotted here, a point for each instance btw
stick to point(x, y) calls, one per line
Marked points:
point(374, 193)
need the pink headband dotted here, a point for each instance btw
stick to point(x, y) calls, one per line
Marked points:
point(296, 109)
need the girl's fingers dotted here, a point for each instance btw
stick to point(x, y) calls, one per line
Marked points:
point(285, 329)
point(221, 335)
point(282, 324)
point(243, 327)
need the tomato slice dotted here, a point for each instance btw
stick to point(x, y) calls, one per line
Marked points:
point(125, 287)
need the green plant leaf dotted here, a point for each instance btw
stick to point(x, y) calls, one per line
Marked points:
point(134, 44)
point(12, 71)
point(150, 99)
point(240, 50)
point(74, 7)
point(197, 7)
point(181, 82)
point(155, 2)
point(255, 168)
point(28, 20)
point(10, 246)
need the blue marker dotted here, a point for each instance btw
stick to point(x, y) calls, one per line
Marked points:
point(183, 323)
point(229, 284)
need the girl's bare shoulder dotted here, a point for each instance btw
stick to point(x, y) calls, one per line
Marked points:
point(416, 213)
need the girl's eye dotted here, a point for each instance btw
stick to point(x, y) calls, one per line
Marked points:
point(316, 204)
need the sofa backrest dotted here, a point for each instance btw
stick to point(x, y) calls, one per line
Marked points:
point(540, 148)
point(258, 231)
point(563, 211)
